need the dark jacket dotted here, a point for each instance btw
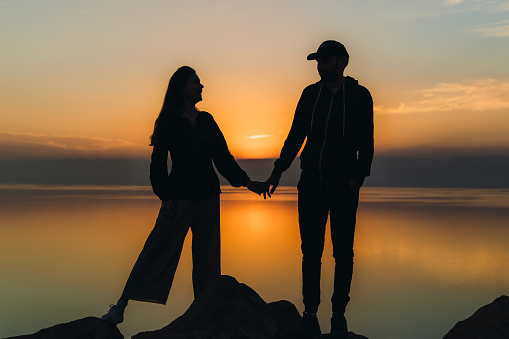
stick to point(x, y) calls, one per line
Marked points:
point(192, 150)
point(339, 132)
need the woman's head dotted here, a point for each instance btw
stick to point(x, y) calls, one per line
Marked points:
point(174, 102)
point(174, 98)
point(193, 90)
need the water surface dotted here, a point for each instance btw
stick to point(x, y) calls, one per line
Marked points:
point(424, 258)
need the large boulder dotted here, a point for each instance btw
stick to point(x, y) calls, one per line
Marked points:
point(228, 309)
point(225, 309)
point(86, 328)
point(488, 322)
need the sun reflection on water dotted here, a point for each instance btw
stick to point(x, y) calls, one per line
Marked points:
point(416, 250)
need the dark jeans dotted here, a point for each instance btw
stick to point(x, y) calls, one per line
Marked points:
point(316, 201)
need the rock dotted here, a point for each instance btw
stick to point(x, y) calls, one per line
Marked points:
point(351, 335)
point(86, 328)
point(228, 309)
point(225, 309)
point(287, 318)
point(488, 322)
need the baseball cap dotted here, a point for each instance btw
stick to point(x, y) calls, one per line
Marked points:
point(327, 48)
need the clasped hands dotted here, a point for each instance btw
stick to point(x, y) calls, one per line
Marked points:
point(266, 188)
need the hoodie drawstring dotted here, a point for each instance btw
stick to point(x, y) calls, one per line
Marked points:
point(313, 113)
point(323, 189)
point(344, 109)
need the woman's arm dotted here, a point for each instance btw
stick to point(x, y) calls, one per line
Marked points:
point(225, 162)
point(159, 172)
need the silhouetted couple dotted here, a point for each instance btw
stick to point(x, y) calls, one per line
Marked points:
point(335, 115)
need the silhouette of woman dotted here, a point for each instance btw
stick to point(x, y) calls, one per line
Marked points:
point(189, 195)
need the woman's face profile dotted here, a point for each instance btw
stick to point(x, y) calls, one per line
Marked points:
point(193, 89)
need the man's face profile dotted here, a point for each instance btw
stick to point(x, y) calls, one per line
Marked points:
point(328, 68)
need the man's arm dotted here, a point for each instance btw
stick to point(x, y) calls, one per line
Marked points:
point(366, 140)
point(291, 147)
point(295, 138)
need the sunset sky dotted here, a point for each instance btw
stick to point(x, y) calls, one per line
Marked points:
point(87, 78)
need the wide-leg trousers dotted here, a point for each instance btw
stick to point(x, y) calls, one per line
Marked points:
point(152, 275)
point(315, 202)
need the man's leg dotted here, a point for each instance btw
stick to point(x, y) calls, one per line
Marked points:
point(313, 214)
point(343, 212)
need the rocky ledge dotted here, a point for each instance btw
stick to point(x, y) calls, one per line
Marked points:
point(488, 322)
point(86, 328)
point(228, 309)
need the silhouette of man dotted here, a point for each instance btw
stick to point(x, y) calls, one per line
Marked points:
point(336, 116)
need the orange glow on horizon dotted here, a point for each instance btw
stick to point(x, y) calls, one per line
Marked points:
point(255, 124)
point(255, 119)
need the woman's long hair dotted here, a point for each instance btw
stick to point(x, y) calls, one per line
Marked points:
point(173, 105)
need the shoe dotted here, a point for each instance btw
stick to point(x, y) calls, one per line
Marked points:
point(308, 327)
point(339, 328)
point(115, 315)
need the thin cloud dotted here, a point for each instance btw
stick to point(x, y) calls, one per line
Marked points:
point(259, 136)
point(500, 7)
point(498, 29)
point(453, 2)
point(473, 95)
point(485, 6)
point(429, 10)
point(451, 7)
point(21, 145)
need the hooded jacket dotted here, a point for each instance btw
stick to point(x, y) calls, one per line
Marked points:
point(339, 132)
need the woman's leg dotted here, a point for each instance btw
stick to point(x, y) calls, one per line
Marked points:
point(152, 275)
point(115, 315)
point(206, 243)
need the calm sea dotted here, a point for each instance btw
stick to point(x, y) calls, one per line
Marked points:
point(424, 258)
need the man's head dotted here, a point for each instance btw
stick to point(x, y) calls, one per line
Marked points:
point(332, 58)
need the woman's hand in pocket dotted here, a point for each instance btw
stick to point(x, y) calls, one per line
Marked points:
point(168, 208)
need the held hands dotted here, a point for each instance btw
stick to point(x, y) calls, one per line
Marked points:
point(256, 186)
point(273, 181)
point(267, 188)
